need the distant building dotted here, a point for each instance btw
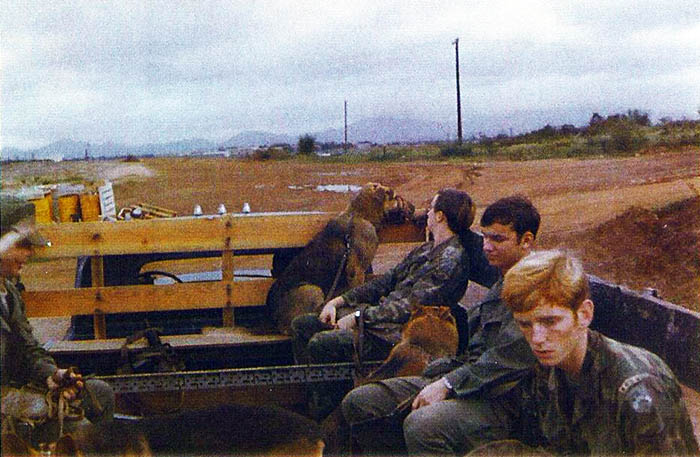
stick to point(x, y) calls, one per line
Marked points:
point(214, 153)
point(55, 156)
point(364, 145)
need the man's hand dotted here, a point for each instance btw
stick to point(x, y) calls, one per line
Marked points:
point(67, 379)
point(328, 313)
point(432, 393)
point(348, 322)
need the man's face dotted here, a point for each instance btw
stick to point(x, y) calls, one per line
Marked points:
point(557, 335)
point(13, 259)
point(502, 247)
point(431, 214)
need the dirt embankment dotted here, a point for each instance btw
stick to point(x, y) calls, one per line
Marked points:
point(644, 248)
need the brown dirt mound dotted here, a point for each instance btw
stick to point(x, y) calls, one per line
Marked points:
point(660, 248)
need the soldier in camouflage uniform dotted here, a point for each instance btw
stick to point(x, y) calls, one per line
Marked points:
point(23, 360)
point(592, 394)
point(459, 403)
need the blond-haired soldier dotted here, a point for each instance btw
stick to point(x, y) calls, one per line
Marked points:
point(593, 395)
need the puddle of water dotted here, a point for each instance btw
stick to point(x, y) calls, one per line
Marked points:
point(335, 173)
point(340, 188)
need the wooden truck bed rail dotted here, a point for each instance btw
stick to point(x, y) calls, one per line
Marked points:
point(255, 233)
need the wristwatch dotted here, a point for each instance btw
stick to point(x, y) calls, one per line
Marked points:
point(357, 316)
point(447, 384)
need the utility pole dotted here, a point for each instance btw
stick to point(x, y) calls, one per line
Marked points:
point(459, 103)
point(345, 142)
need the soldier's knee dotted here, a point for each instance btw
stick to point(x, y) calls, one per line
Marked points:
point(418, 423)
point(349, 405)
point(303, 324)
point(319, 346)
point(99, 400)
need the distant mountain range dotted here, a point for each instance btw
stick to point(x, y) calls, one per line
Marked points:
point(382, 130)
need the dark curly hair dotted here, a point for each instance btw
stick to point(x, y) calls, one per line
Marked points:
point(516, 210)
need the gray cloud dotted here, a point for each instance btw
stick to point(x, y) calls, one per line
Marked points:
point(134, 71)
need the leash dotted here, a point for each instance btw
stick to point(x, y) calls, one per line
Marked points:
point(343, 261)
point(359, 342)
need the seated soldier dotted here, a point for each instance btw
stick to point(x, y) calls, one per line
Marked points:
point(436, 273)
point(458, 404)
point(24, 361)
point(591, 394)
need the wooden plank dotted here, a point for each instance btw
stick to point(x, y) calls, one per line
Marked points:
point(98, 318)
point(98, 271)
point(99, 323)
point(98, 280)
point(222, 337)
point(243, 231)
point(227, 275)
point(121, 299)
point(183, 234)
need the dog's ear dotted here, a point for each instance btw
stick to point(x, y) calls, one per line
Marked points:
point(417, 311)
point(389, 193)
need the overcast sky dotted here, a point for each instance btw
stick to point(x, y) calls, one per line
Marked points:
point(145, 71)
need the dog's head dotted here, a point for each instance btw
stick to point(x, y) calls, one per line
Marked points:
point(433, 328)
point(381, 205)
point(430, 317)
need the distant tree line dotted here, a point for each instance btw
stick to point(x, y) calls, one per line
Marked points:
point(619, 132)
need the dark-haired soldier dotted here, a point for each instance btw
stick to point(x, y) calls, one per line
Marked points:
point(460, 403)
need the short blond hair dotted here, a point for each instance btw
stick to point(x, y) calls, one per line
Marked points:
point(553, 277)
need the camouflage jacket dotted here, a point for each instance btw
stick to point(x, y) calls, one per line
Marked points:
point(626, 401)
point(497, 354)
point(22, 357)
point(429, 275)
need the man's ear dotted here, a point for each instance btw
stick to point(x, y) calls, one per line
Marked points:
point(585, 313)
point(527, 240)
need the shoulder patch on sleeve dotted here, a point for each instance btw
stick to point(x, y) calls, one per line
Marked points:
point(628, 383)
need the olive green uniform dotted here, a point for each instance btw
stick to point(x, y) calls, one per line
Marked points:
point(24, 361)
point(625, 401)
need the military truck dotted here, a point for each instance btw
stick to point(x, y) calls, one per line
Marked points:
point(129, 277)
